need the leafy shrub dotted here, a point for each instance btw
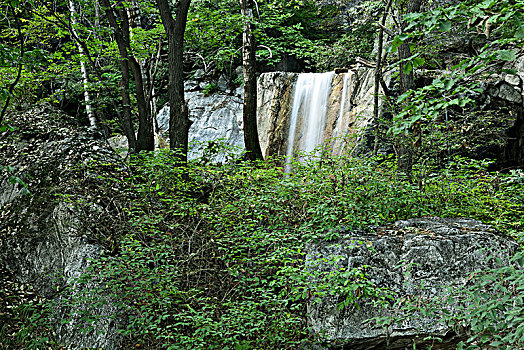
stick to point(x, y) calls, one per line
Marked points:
point(214, 256)
point(493, 307)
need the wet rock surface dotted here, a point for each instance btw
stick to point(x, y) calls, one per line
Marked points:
point(48, 236)
point(274, 102)
point(413, 258)
point(346, 121)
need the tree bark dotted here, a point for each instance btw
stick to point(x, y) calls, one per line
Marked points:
point(145, 138)
point(125, 121)
point(83, 69)
point(405, 151)
point(179, 122)
point(378, 74)
point(249, 115)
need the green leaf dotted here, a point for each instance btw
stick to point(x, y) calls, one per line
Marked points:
point(445, 26)
point(448, 84)
point(14, 180)
point(507, 55)
point(407, 68)
point(397, 42)
point(404, 96)
point(519, 34)
point(463, 102)
point(520, 260)
point(417, 62)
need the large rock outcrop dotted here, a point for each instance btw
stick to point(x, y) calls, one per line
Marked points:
point(349, 111)
point(347, 127)
point(275, 98)
point(49, 235)
point(417, 258)
point(216, 118)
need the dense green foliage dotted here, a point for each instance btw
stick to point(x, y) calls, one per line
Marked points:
point(51, 33)
point(461, 47)
point(214, 255)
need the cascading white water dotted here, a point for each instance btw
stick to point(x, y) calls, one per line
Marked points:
point(310, 106)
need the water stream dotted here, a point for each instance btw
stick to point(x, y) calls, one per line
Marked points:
point(308, 113)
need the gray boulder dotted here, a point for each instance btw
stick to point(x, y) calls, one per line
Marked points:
point(417, 259)
point(199, 74)
point(49, 236)
point(216, 120)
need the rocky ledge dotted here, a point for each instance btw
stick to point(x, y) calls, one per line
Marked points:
point(412, 260)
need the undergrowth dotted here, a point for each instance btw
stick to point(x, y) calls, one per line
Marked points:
point(214, 256)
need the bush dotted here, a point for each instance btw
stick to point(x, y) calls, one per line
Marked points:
point(215, 255)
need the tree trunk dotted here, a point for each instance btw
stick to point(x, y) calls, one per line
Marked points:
point(405, 151)
point(83, 70)
point(378, 75)
point(179, 122)
point(251, 141)
point(125, 121)
point(145, 138)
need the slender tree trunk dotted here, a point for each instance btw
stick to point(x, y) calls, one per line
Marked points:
point(146, 112)
point(83, 69)
point(378, 74)
point(405, 151)
point(153, 99)
point(251, 141)
point(145, 138)
point(96, 5)
point(126, 123)
point(92, 63)
point(179, 122)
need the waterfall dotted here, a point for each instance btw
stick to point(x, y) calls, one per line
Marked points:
point(308, 113)
point(299, 112)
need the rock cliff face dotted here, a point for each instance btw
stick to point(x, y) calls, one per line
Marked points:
point(48, 236)
point(348, 109)
point(416, 258)
point(216, 118)
point(275, 98)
